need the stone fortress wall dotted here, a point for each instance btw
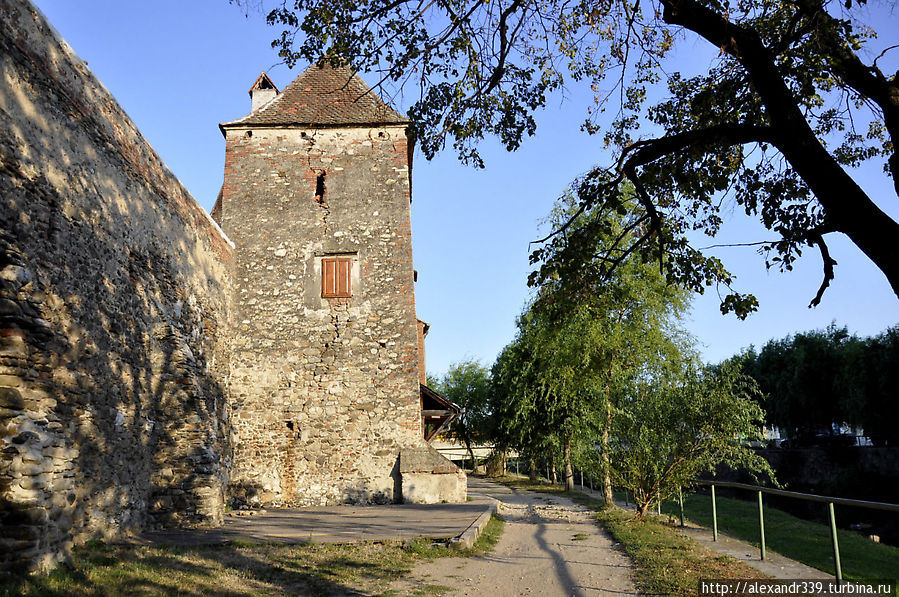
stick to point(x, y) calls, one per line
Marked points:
point(325, 390)
point(151, 370)
point(114, 301)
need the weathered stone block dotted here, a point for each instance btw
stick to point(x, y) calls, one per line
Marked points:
point(429, 478)
point(11, 399)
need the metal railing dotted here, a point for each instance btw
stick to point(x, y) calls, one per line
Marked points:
point(830, 501)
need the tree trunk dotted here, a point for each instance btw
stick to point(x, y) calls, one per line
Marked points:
point(552, 470)
point(847, 207)
point(532, 468)
point(569, 471)
point(474, 464)
point(496, 464)
point(642, 509)
point(607, 496)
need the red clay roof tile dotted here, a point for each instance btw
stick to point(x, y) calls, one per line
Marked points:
point(323, 96)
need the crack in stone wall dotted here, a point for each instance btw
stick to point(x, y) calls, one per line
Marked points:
point(344, 372)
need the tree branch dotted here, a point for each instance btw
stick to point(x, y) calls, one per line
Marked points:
point(829, 262)
point(504, 45)
point(868, 81)
point(842, 199)
point(646, 151)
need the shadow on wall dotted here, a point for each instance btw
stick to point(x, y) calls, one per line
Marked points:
point(248, 494)
point(112, 316)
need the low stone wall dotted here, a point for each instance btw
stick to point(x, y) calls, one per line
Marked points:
point(429, 478)
point(114, 296)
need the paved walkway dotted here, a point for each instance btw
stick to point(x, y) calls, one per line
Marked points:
point(550, 547)
point(346, 524)
point(336, 524)
point(774, 565)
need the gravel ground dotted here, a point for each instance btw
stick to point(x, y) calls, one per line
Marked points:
point(550, 546)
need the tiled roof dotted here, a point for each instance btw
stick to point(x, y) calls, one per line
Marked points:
point(324, 96)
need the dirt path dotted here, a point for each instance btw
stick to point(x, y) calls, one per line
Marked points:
point(550, 546)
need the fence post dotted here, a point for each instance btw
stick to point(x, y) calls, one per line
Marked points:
point(762, 524)
point(680, 503)
point(714, 516)
point(836, 544)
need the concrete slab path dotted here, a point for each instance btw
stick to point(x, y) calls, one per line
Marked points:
point(774, 564)
point(336, 524)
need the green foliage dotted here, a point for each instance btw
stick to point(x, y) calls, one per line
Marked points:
point(589, 333)
point(815, 380)
point(674, 427)
point(772, 126)
point(468, 384)
point(601, 369)
point(880, 360)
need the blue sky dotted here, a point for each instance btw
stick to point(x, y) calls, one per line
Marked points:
point(180, 68)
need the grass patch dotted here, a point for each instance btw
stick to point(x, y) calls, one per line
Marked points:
point(801, 540)
point(666, 562)
point(489, 537)
point(580, 537)
point(242, 568)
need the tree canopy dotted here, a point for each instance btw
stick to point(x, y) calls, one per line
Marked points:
point(818, 379)
point(601, 372)
point(673, 427)
point(468, 384)
point(775, 125)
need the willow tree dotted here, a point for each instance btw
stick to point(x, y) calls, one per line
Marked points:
point(795, 99)
point(523, 421)
point(588, 334)
point(680, 423)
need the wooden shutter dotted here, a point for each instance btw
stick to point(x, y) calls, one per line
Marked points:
point(336, 273)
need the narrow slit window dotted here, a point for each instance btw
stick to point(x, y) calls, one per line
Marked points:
point(336, 277)
point(320, 188)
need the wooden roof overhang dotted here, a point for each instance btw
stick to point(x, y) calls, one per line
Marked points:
point(436, 412)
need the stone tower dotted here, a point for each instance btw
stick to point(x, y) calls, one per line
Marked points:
point(324, 373)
